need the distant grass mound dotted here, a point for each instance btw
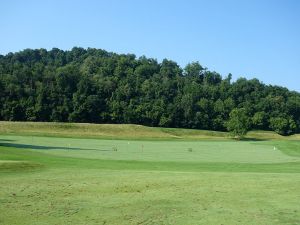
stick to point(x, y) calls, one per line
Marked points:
point(124, 131)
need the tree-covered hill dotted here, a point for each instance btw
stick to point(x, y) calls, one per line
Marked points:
point(92, 85)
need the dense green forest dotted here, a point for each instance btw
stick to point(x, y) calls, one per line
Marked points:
point(93, 85)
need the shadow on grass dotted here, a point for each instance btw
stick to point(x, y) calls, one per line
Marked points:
point(250, 139)
point(40, 147)
point(10, 140)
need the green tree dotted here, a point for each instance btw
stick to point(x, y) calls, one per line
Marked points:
point(283, 125)
point(239, 123)
point(193, 69)
point(259, 120)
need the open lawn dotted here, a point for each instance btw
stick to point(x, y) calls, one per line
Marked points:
point(127, 174)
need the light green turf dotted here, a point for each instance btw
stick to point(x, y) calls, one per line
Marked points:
point(132, 197)
point(52, 180)
point(173, 151)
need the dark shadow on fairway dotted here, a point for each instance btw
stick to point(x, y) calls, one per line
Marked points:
point(253, 139)
point(10, 140)
point(40, 147)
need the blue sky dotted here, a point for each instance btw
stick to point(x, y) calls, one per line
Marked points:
point(254, 38)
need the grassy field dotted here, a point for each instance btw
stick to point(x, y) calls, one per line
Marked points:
point(130, 131)
point(128, 174)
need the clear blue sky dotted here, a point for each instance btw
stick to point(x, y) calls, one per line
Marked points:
point(254, 38)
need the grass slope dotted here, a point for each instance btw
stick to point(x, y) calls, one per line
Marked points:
point(47, 179)
point(124, 131)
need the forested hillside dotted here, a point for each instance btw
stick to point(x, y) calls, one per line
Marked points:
point(92, 85)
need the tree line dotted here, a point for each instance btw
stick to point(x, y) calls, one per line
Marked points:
point(96, 86)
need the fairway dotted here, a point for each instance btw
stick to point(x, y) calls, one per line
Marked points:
point(155, 151)
point(65, 180)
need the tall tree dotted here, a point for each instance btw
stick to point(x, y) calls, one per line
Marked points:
point(239, 123)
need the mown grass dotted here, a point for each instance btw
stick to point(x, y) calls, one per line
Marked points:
point(229, 156)
point(163, 180)
point(65, 196)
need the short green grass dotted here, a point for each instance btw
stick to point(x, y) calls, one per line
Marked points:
point(183, 179)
